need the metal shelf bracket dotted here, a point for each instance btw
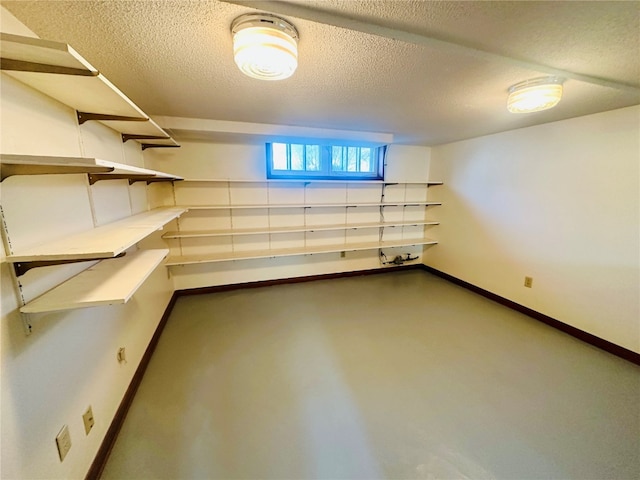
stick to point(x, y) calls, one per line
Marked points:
point(21, 268)
point(151, 145)
point(129, 136)
point(86, 116)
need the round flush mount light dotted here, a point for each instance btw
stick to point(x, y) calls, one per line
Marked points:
point(265, 46)
point(535, 95)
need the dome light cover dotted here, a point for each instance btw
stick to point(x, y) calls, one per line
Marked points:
point(535, 95)
point(265, 46)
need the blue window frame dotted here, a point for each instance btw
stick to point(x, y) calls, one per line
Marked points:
point(328, 162)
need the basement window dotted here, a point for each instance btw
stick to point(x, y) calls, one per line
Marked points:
point(324, 162)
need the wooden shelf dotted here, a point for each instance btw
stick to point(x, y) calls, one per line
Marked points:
point(403, 203)
point(96, 168)
point(109, 282)
point(288, 180)
point(106, 241)
point(27, 53)
point(307, 228)
point(134, 174)
point(288, 252)
point(41, 165)
point(58, 71)
point(281, 180)
point(147, 133)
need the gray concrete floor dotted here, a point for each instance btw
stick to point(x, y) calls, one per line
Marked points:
point(399, 375)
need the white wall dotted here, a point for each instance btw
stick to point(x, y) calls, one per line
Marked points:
point(69, 362)
point(248, 161)
point(404, 163)
point(558, 202)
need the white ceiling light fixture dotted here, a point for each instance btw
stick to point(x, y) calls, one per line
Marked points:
point(265, 46)
point(535, 95)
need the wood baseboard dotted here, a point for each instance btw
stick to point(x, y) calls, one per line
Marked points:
point(589, 338)
point(100, 460)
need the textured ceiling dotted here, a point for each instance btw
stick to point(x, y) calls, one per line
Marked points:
point(174, 58)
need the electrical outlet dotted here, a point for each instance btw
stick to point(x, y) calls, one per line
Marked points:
point(88, 420)
point(528, 282)
point(63, 442)
point(343, 254)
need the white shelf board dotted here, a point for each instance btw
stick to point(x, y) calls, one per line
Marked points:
point(136, 173)
point(58, 71)
point(43, 52)
point(282, 180)
point(310, 205)
point(37, 165)
point(106, 241)
point(288, 252)
point(148, 127)
point(109, 282)
point(84, 94)
point(290, 180)
point(301, 228)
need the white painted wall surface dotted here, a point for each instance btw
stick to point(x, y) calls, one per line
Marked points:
point(49, 378)
point(558, 202)
point(247, 161)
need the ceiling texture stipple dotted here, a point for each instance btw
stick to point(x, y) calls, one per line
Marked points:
point(174, 58)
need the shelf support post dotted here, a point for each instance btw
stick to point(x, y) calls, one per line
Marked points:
point(26, 323)
point(26, 319)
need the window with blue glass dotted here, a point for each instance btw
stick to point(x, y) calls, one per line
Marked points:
point(328, 162)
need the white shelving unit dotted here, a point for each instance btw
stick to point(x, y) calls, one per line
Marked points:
point(109, 282)
point(40, 165)
point(96, 169)
point(36, 54)
point(266, 210)
point(296, 229)
point(310, 205)
point(58, 71)
point(288, 252)
point(106, 241)
point(292, 180)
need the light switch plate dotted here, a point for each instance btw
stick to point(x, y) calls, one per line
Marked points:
point(63, 441)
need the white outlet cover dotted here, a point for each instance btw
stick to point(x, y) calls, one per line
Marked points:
point(87, 419)
point(63, 441)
